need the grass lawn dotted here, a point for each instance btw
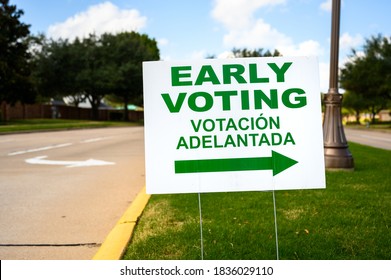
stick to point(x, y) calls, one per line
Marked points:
point(350, 219)
point(55, 124)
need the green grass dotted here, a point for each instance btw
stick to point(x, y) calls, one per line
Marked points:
point(55, 124)
point(350, 219)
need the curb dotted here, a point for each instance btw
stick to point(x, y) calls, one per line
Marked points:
point(115, 243)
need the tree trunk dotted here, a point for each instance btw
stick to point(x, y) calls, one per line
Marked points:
point(95, 112)
point(126, 111)
point(95, 103)
point(357, 116)
point(373, 117)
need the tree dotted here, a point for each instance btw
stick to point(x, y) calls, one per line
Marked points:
point(94, 76)
point(355, 102)
point(15, 83)
point(75, 69)
point(93, 67)
point(238, 53)
point(55, 68)
point(367, 74)
point(124, 53)
point(254, 53)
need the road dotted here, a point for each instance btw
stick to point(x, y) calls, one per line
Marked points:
point(62, 192)
point(372, 138)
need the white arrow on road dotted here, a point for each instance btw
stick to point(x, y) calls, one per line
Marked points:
point(89, 162)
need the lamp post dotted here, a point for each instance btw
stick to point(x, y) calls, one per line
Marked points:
point(337, 154)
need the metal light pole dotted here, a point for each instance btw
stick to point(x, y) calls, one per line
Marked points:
point(337, 154)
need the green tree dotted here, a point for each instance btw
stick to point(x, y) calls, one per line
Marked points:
point(354, 102)
point(254, 53)
point(238, 53)
point(55, 68)
point(15, 82)
point(124, 53)
point(93, 67)
point(367, 74)
point(94, 77)
point(71, 69)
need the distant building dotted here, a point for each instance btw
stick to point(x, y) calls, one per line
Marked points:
point(384, 116)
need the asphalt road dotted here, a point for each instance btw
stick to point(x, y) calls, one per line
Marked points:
point(372, 138)
point(62, 192)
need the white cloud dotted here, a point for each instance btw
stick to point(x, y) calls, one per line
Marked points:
point(98, 19)
point(201, 54)
point(239, 14)
point(226, 54)
point(244, 30)
point(326, 5)
point(306, 48)
point(162, 42)
point(257, 34)
point(347, 42)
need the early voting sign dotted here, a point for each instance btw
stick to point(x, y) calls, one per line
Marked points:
point(248, 124)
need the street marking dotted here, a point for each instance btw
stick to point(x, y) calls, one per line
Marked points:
point(94, 140)
point(40, 149)
point(89, 162)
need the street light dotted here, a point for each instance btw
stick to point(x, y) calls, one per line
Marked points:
point(336, 151)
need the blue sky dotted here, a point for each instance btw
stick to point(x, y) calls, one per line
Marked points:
point(188, 29)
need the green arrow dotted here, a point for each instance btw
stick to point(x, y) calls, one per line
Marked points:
point(277, 162)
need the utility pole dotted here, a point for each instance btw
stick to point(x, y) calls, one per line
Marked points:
point(336, 151)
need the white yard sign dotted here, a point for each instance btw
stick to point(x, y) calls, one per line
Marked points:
point(247, 124)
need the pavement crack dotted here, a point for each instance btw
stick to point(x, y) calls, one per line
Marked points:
point(53, 245)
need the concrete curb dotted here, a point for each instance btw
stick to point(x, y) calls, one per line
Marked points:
point(115, 243)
